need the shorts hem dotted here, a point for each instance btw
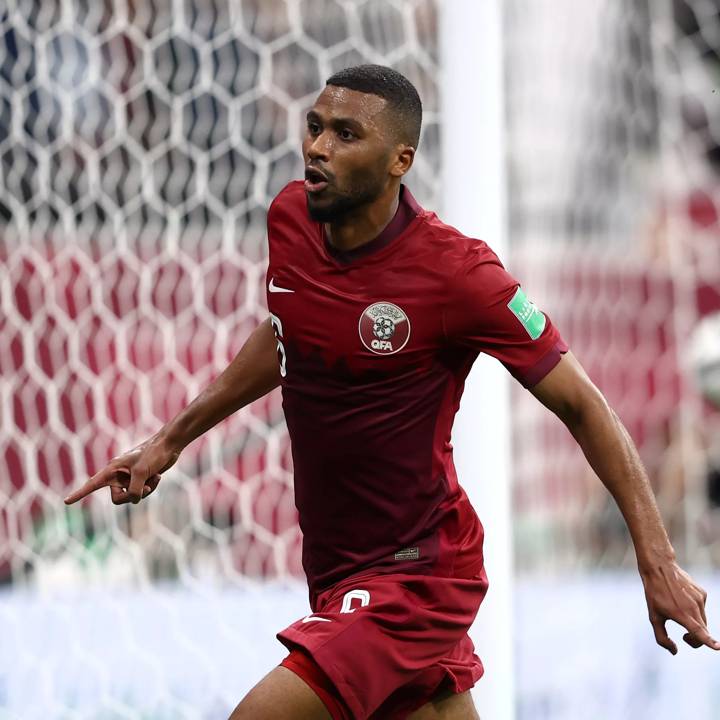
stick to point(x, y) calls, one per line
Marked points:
point(343, 688)
point(303, 664)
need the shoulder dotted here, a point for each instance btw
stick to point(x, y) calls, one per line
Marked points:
point(456, 254)
point(289, 202)
point(473, 278)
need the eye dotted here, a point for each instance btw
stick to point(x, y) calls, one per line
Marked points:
point(313, 128)
point(346, 134)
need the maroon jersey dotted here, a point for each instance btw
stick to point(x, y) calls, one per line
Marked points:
point(374, 346)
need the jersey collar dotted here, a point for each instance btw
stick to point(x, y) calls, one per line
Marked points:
point(407, 211)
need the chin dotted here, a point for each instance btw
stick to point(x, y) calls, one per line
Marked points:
point(321, 212)
point(333, 207)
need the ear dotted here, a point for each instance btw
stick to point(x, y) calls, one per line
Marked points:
point(402, 161)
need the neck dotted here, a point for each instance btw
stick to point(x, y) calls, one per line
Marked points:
point(365, 224)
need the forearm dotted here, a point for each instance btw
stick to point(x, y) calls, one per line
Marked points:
point(253, 373)
point(670, 592)
point(612, 454)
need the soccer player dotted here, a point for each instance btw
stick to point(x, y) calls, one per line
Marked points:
point(377, 312)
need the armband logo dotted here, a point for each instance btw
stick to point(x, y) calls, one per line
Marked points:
point(532, 319)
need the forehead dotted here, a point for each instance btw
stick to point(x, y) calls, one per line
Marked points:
point(342, 102)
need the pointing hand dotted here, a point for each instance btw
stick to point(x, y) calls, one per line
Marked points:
point(133, 475)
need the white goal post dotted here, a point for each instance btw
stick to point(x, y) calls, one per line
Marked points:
point(473, 184)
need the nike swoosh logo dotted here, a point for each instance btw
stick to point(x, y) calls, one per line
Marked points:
point(312, 618)
point(272, 287)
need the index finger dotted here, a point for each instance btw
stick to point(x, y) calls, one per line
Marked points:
point(700, 636)
point(97, 481)
point(697, 631)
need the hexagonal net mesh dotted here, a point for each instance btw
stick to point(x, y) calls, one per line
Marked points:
point(614, 171)
point(140, 146)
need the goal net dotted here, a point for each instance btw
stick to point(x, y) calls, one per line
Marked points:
point(614, 199)
point(140, 146)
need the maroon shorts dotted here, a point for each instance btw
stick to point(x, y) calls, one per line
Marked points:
point(388, 643)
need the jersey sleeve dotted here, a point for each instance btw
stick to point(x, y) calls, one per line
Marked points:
point(488, 311)
point(282, 214)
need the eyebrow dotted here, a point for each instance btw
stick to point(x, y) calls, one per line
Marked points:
point(336, 121)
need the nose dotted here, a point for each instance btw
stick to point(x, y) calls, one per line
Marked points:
point(319, 147)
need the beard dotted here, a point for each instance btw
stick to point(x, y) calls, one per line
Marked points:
point(344, 204)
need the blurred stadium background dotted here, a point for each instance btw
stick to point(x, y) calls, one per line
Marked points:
point(141, 142)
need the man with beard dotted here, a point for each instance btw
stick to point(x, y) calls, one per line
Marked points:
point(377, 312)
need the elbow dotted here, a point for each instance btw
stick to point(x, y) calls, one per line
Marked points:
point(571, 415)
point(588, 405)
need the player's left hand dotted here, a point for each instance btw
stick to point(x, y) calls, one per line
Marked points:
point(671, 594)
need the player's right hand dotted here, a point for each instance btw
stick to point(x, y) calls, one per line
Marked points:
point(133, 475)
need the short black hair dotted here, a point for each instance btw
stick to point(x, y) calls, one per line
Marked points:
point(402, 98)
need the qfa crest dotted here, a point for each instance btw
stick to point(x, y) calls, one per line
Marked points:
point(384, 328)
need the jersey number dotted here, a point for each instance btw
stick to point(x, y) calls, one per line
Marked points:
point(277, 327)
point(363, 596)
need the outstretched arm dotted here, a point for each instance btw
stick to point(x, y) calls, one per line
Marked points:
point(670, 592)
point(254, 372)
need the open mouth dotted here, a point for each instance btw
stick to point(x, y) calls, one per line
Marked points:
point(315, 180)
